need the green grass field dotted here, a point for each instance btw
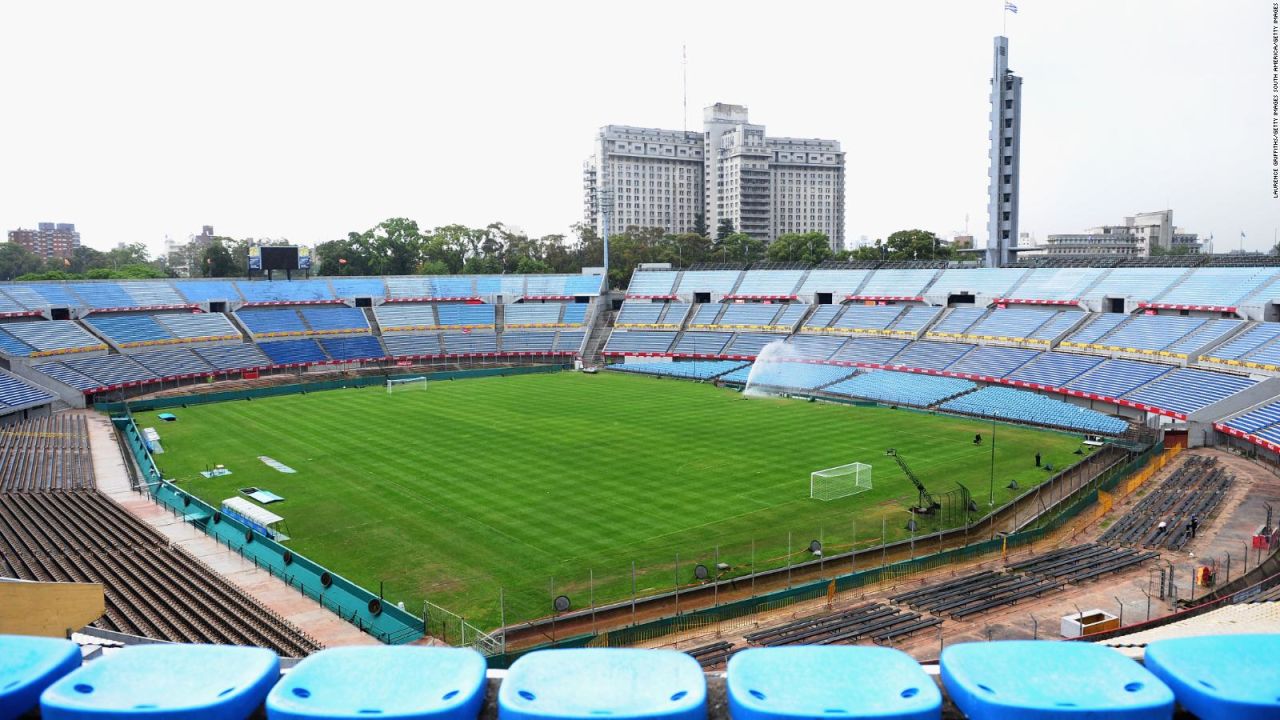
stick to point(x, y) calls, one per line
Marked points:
point(537, 483)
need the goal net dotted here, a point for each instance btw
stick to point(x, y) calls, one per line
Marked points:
point(840, 481)
point(394, 384)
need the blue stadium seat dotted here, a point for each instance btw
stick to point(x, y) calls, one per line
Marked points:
point(350, 288)
point(623, 341)
point(702, 343)
point(689, 369)
point(15, 392)
point(977, 281)
point(623, 684)
point(916, 317)
point(128, 330)
point(334, 319)
point(840, 283)
point(28, 665)
point(524, 341)
point(406, 683)
point(1022, 406)
point(716, 282)
point(869, 349)
point(897, 283)
point(900, 388)
point(1221, 677)
point(653, 282)
point(285, 352)
point(199, 291)
point(175, 682)
point(353, 347)
point(271, 321)
point(790, 683)
point(769, 283)
point(867, 317)
point(1028, 679)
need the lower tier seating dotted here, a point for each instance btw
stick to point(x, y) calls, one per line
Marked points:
point(688, 369)
point(900, 388)
point(1028, 407)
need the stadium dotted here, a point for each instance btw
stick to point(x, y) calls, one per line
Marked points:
point(713, 459)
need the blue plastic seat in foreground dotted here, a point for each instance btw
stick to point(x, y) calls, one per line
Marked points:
point(205, 682)
point(28, 665)
point(624, 684)
point(1025, 679)
point(1220, 677)
point(798, 682)
point(406, 683)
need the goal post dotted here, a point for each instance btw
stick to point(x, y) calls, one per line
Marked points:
point(840, 481)
point(404, 383)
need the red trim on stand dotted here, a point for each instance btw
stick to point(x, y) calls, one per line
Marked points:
point(1175, 306)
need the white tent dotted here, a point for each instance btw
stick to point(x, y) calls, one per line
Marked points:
point(251, 512)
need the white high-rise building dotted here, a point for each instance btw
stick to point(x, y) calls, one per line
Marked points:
point(731, 171)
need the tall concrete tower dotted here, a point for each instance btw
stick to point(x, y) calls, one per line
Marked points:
point(1002, 182)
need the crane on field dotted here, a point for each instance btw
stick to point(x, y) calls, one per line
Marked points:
point(926, 504)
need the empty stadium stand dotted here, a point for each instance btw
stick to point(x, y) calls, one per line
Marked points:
point(45, 338)
point(689, 369)
point(58, 528)
point(1194, 490)
point(17, 394)
point(900, 388)
point(1026, 407)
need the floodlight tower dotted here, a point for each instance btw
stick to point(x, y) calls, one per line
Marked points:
point(605, 204)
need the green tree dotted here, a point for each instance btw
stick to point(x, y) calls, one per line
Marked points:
point(724, 229)
point(700, 224)
point(16, 260)
point(395, 246)
point(917, 245)
point(131, 254)
point(217, 261)
point(737, 248)
point(809, 247)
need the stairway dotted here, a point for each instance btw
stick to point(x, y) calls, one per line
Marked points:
point(596, 337)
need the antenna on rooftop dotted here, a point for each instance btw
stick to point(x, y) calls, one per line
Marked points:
point(684, 87)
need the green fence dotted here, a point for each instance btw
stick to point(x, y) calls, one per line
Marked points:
point(1069, 509)
point(346, 599)
point(296, 388)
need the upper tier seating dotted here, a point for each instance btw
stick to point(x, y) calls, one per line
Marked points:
point(18, 393)
point(354, 347)
point(716, 282)
point(130, 330)
point(866, 318)
point(513, 287)
point(633, 312)
point(1210, 332)
point(624, 341)
point(49, 337)
point(900, 388)
point(652, 282)
point(66, 375)
point(101, 295)
point(897, 283)
point(350, 288)
point(1017, 323)
point(1056, 283)
point(288, 352)
point(576, 314)
point(272, 322)
point(1186, 390)
point(1241, 345)
point(957, 321)
point(789, 375)
point(9, 305)
point(839, 283)
point(1053, 369)
point(1217, 286)
point(559, 285)
point(688, 369)
point(916, 317)
point(152, 294)
point(109, 369)
point(233, 357)
point(201, 291)
point(285, 291)
point(1114, 378)
point(931, 355)
point(1138, 283)
point(993, 361)
point(36, 296)
point(533, 315)
point(11, 345)
point(334, 320)
point(769, 283)
point(749, 315)
point(196, 327)
point(821, 317)
point(405, 318)
point(1150, 332)
point(992, 282)
point(1028, 407)
point(876, 350)
point(476, 316)
point(1094, 329)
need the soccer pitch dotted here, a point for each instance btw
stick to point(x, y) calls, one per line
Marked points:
point(556, 483)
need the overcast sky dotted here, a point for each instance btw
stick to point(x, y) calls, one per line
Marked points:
point(306, 120)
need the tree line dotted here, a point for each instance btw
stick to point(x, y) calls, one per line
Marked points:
point(399, 246)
